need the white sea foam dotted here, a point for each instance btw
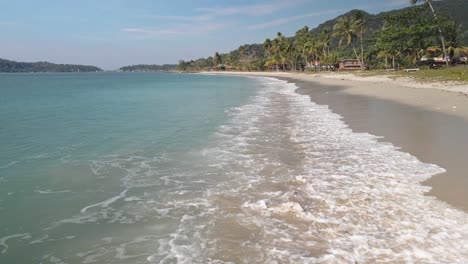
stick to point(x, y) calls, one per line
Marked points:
point(318, 192)
point(4, 240)
point(8, 165)
point(105, 203)
point(51, 192)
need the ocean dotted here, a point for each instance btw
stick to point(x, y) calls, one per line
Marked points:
point(190, 168)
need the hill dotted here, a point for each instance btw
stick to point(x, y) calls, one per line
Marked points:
point(13, 66)
point(455, 10)
point(149, 68)
point(452, 14)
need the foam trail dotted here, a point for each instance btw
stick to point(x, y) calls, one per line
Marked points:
point(105, 203)
point(51, 192)
point(3, 240)
point(8, 165)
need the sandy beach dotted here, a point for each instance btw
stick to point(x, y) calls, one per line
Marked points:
point(426, 119)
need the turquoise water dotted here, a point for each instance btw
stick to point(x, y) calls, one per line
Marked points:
point(177, 168)
point(58, 130)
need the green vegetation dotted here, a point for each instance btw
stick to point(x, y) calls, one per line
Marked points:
point(459, 73)
point(405, 38)
point(13, 66)
point(149, 68)
point(445, 74)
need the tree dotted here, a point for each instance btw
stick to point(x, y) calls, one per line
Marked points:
point(287, 51)
point(217, 59)
point(310, 49)
point(453, 35)
point(441, 36)
point(279, 49)
point(301, 38)
point(359, 27)
point(324, 39)
point(268, 47)
point(406, 36)
point(345, 29)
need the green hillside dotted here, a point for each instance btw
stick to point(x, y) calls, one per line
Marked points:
point(456, 10)
point(149, 68)
point(450, 12)
point(13, 66)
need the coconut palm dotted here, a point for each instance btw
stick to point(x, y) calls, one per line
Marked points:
point(241, 50)
point(288, 49)
point(276, 52)
point(267, 47)
point(279, 49)
point(442, 40)
point(359, 25)
point(217, 59)
point(324, 39)
point(310, 50)
point(300, 39)
point(344, 30)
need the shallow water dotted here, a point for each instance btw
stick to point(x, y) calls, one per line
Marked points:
point(263, 175)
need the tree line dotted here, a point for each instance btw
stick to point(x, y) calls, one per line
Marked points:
point(403, 39)
point(13, 66)
point(149, 68)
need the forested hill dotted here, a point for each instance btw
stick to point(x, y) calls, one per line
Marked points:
point(456, 10)
point(414, 31)
point(149, 68)
point(13, 66)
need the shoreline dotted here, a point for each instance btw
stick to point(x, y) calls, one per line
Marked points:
point(430, 123)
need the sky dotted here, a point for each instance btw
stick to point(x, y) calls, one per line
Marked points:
point(115, 33)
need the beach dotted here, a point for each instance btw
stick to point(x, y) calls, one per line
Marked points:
point(195, 168)
point(428, 120)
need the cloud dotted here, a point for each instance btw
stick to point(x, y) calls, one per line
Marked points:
point(384, 4)
point(206, 19)
point(282, 21)
point(211, 13)
point(151, 32)
point(196, 18)
point(180, 29)
point(252, 10)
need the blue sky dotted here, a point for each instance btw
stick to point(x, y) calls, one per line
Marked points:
point(114, 33)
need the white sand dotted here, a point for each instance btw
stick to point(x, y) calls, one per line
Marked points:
point(446, 97)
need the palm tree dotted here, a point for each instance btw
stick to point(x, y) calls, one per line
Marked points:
point(217, 59)
point(301, 38)
point(309, 50)
point(280, 49)
point(344, 30)
point(359, 25)
point(453, 35)
point(267, 47)
point(288, 48)
point(276, 52)
point(442, 40)
point(324, 39)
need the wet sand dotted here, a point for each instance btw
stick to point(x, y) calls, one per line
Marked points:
point(433, 137)
point(431, 124)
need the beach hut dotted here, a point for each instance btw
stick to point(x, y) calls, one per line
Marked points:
point(350, 64)
point(223, 67)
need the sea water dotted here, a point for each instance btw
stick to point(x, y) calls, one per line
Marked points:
point(182, 168)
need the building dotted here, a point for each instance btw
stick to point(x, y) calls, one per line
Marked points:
point(350, 64)
point(223, 67)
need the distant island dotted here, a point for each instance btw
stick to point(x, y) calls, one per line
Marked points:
point(14, 66)
point(149, 68)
